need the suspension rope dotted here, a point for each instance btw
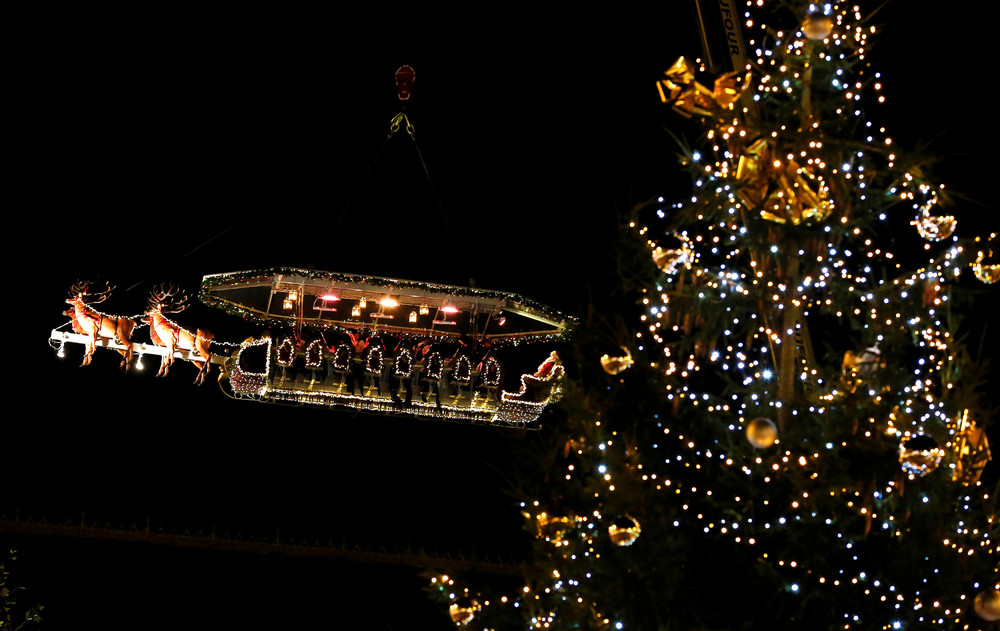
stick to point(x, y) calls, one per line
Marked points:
point(190, 252)
point(398, 122)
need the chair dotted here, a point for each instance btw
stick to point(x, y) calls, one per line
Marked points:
point(490, 373)
point(461, 375)
point(373, 370)
point(314, 358)
point(403, 369)
point(341, 363)
point(433, 370)
point(285, 356)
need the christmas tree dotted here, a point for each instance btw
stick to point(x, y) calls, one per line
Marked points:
point(799, 438)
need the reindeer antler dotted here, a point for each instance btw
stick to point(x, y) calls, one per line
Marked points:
point(80, 289)
point(164, 299)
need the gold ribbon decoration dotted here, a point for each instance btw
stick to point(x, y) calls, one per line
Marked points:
point(668, 260)
point(615, 365)
point(971, 450)
point(688, 97)
point(857, 367)
point(783, 191)
point(552, 528)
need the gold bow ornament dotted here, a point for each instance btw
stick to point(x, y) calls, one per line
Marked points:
point(688, 97)
point(783, 191)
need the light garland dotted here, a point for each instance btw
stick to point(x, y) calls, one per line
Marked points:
point(373, 362)
point(404, 364)
point(434, 366)
point(314, 354)
point(491, 374)
point(264, 385)
point(341, 359)
point(286, 353)
point(462, 370)
point(254, 278)
point(775, 254)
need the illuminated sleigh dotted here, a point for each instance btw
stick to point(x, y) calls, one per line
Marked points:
point(385, 345)
point(536, 392)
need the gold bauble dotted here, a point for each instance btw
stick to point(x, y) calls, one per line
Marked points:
point(762, 433)
point(919, 455)
point(462, 615)
point(817, 26)
point(987, 605)
point(986, 267)
point(625, 531)
point(614, 365)
point(935, 227)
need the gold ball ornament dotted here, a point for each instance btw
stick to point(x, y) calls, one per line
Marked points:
point(817, 26)
point(615, 365)
point(935, 227)
point(987, 605)
point(762, 433)
point(624, 531)
point(919, 455)
point(986, 266)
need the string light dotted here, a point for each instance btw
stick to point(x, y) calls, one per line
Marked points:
point(757, 264)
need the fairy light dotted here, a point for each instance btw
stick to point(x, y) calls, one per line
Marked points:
point(314, 354)
point(744, 286)
point(286, 353)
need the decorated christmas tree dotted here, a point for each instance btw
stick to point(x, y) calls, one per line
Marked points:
point(793, 434)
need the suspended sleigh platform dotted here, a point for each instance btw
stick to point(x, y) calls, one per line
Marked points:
point(413, 309)
point(344, 341)
point(386, 345)
point(347, 341)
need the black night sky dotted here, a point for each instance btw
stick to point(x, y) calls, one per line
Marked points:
point(164, 147)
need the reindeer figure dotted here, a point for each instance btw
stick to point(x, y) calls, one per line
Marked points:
point(88, 321)
point(163, 332)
